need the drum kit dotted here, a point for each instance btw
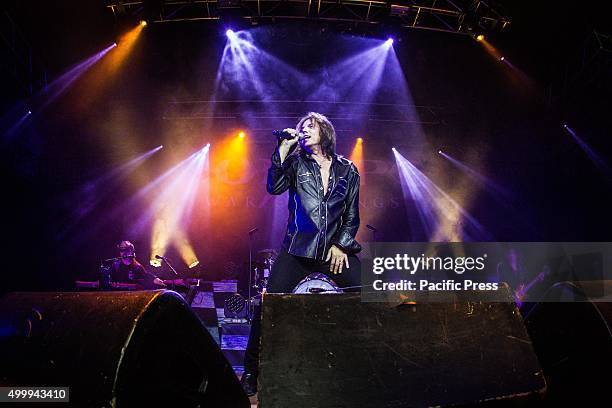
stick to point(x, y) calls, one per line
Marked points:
point(313, 283)
point(262, 267)
point(239, 307)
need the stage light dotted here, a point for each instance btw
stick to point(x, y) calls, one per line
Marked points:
point(595, 157)
point(61, 84)
point(502, 58)
point(389, 42)
point(143, 23)
point(357, 155)
point(161, 147)
point(170, 210)
point(393, 148)
point(241, 135)
point(480, 37)
point(442, 217)
point(185, 250)
point(97, 80)
point(230, 33)
point(498, 191)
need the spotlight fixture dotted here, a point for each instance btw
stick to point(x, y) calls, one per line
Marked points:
point(502, 58)
point(114, 44)
point(194, 264)
point(359, 139)
point(480, 37)
point(230, 32)
point(241, 135)
point(389, 42)
point(394, 149)
point(235, 306)
point(29, 112)
point(439, 151)
point(565, 126)
point(143, 23)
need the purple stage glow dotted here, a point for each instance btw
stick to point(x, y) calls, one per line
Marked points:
point(170, 209)
point(499, 191)
point(442, 218)
point(92, 192)
point(343, 88)
point(595, 158)
point(126, 168)
point(356, 78)
point(252, 72)
point(52, 91)
point(13, 130)
point(142, 197)
point(59, 85)
point(140, 194)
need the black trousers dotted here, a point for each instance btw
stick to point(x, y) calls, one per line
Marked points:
point(288, 270)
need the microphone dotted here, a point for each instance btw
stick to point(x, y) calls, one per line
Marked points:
point(163, 258)
point(281, 134)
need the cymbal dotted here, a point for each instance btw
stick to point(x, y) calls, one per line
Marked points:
point(268, 252)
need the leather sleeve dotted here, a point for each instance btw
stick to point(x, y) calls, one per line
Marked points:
point(345, 236)
point(280, 176)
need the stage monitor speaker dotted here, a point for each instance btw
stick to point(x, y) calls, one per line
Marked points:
point(572, 335)
point(337, 351)
point(119, 349)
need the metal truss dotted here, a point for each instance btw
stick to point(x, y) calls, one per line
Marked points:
point(458, 16)
point(264, 111)
point(17, 58)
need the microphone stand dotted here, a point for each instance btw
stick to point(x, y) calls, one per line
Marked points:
point(371, 228)
point(250, 303)
point(163, 258)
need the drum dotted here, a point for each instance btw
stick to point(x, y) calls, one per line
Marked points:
point(317, 283)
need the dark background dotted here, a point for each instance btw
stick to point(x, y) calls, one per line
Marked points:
point(511, 129)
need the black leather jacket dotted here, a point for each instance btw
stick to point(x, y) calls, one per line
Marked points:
point(317, 221)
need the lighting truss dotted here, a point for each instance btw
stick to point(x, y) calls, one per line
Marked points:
point(459, 16)
point(287, 109)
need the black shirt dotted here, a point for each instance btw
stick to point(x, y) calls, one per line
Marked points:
point(135, 273)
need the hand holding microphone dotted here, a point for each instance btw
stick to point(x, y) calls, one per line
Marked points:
point(289, 138)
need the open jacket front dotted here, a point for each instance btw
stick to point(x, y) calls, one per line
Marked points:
point(316, 220)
